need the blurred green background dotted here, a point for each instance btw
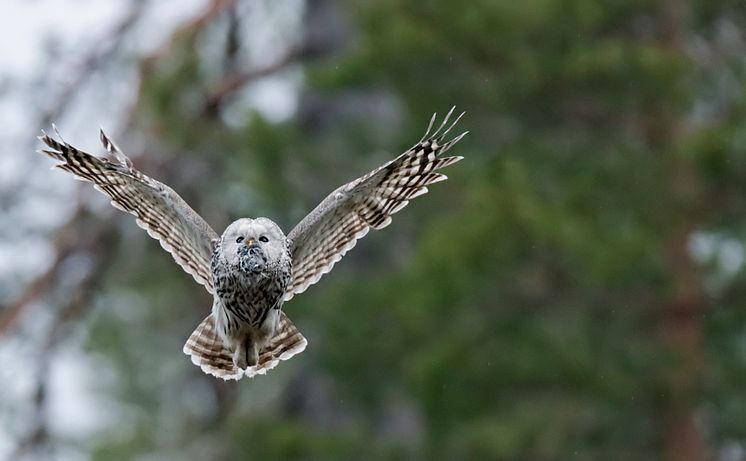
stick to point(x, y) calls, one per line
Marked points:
point(574, 291)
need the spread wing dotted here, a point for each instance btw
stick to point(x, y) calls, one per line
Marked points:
point(348, 213)
point(157, 208)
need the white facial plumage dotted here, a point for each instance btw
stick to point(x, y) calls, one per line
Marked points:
point(245, 230)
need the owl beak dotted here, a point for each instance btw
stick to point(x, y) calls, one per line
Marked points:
point(249, 242)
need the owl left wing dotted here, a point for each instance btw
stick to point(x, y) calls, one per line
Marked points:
point(159, 210)
point(348, 213)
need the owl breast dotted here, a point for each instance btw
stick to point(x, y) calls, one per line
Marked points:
point(248, 295)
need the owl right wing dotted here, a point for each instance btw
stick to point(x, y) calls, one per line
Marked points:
point(157, 208)
point(348, 213)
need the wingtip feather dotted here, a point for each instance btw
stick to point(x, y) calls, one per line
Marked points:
point(429, 126)
point(452, 124)
point(443, 123)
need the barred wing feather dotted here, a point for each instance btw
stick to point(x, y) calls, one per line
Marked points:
point(157, 208)
point(348, 213)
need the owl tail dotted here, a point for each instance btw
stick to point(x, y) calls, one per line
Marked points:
point(207, 350)
point(286, 342)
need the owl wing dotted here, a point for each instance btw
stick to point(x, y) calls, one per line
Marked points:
point(158, 209)
point(348, 213)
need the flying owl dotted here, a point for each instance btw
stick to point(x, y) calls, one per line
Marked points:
point(253, 267)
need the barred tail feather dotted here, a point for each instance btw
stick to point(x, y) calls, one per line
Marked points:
point(286, 342)
point(208, 352)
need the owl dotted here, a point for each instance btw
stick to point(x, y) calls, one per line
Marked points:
point(253, 268)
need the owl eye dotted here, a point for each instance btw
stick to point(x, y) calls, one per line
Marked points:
point(264, 239)
point(239, 240)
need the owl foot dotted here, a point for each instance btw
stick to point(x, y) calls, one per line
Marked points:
point(246, 354)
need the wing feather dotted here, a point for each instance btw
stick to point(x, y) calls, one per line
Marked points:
point(348, 213)
point(160, 211)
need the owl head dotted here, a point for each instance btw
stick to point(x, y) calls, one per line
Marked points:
point(254, 244)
